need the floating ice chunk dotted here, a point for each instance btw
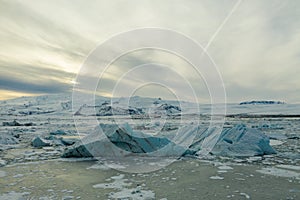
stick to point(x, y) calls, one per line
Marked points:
point(119, 183)
point(58, 132)
point(277, 136)
point(7, 139)
point(13, 195)
point(2, 163)
point(18, 176)
point(245, 195)
point(99, 166)
point(134, 194)
point(292, 167)
point(254, 159)
point(279, 172)
point(39, 142)
point(225, 167)
point(276, 142)
point(2, 174)
point(216, 178)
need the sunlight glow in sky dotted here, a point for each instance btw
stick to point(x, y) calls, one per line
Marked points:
point(44, 43)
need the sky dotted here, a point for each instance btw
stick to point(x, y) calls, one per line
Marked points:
point(255, 45)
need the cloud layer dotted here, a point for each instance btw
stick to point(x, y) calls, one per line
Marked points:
point(44, 43)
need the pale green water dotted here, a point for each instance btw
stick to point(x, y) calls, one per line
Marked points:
point(189, 179)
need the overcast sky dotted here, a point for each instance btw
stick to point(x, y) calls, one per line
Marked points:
point(254, 43)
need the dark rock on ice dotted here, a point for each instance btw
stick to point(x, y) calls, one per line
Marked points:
point(293, 137)
point(15, 123)
point(36, 112)
point(268, 127)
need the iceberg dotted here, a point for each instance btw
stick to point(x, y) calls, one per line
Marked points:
point(241, 141)
point(40, 142)
point(121, 140)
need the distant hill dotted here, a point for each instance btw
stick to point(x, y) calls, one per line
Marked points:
point(261, 102)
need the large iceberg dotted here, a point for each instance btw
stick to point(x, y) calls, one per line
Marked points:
point(114, 140)
point(121, 140)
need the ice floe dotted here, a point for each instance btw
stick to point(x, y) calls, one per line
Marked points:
point(279, 172)
point(124, 191)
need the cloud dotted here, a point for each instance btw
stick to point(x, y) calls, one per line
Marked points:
point(34, 87)
point(43, 44)
point(32, 79)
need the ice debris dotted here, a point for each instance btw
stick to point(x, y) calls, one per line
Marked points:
point(7, 139)
point(51, 140)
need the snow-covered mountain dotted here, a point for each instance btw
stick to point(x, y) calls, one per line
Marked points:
point(61, 104)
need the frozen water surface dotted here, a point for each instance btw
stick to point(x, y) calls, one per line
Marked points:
point(28, 172)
